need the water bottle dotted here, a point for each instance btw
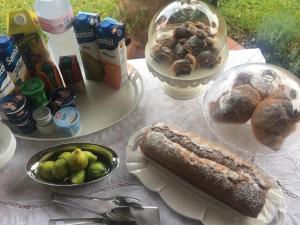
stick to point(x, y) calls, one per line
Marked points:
point(55, 18)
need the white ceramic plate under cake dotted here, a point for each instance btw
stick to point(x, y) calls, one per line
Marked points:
point(191, 202)
point(100, 106)
point(7, 145)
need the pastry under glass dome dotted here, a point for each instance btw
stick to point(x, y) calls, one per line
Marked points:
point(186, 46)
point(255, 107)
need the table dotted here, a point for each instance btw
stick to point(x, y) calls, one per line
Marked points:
point(24, 202)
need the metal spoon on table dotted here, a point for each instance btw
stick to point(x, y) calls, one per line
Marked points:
point(120, 209)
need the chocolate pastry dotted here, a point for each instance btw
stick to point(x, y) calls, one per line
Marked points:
point(235, 105)
point(273, 119)
point(195, 45)
point(190, 38)
point(182, 32)
point(208, 59)
point(192, 59)
point(182, 67)
point(242, 78)
point(162, 54)
point(166, 41)
point(179, 51)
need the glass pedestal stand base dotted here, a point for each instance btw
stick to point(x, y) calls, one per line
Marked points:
point(182, 93)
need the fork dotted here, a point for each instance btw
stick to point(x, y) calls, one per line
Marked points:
point(113, 202)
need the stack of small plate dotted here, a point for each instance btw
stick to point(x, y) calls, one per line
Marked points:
point(7, 145)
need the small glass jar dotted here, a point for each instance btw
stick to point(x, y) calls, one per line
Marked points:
point(44, 120)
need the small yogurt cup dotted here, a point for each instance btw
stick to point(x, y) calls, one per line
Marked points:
point(62, 97)
point(20, 117)
point(27, 127)
point(42, 116)
point(34, 90)
point(14, 106)
point(68, 119)
point(47, 129)
point(44, 120)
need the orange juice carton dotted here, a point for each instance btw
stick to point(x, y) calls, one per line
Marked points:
point(112, 48)
point(24, 27)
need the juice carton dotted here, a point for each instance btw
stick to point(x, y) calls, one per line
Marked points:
point(6, 85)
point(24, 27)
point(12, 60)
point(112, 48)
point(85, 29)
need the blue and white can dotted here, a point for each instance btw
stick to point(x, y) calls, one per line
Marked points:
point(12, 60)
point(6, 84)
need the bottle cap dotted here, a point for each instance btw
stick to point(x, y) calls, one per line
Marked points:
point(5, 42)
point(20, 19)
point(105, 26)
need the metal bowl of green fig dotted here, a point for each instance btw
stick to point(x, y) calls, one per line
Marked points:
point(72, 164)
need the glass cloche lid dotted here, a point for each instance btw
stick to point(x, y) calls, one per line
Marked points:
point(187, 39)
point(256, 108)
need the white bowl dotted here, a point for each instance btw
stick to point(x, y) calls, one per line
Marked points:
point(7, 145)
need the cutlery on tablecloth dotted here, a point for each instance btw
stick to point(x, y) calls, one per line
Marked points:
point(119, 209)
point(79, 221)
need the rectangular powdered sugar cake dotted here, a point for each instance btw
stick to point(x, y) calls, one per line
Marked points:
point(209, 167)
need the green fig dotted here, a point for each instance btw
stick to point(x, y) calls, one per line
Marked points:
point(91, 157)
point(60, 169)
point(95, 171)
point(65, 155)
point(78, 160)
point(78, 177)
point(45, 170)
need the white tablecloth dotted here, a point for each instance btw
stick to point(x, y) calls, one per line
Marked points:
point(22, 201)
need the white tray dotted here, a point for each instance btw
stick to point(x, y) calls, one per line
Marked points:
point(100, 106)
point(191, 202)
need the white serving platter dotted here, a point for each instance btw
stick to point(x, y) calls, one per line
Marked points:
point(191, 202)
point(100, 106)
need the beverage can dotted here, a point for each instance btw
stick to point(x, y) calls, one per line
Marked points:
point(6, 85)
point(71, 73)
point(112, 48)
point(12, 60)
point(24, 27)
point(85, 30)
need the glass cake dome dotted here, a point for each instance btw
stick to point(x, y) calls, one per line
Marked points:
point(186, 45)
point(255, 107)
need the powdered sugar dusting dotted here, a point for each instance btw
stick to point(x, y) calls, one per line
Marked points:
point(208, 167)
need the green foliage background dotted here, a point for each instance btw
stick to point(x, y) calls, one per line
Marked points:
point(271, 25)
